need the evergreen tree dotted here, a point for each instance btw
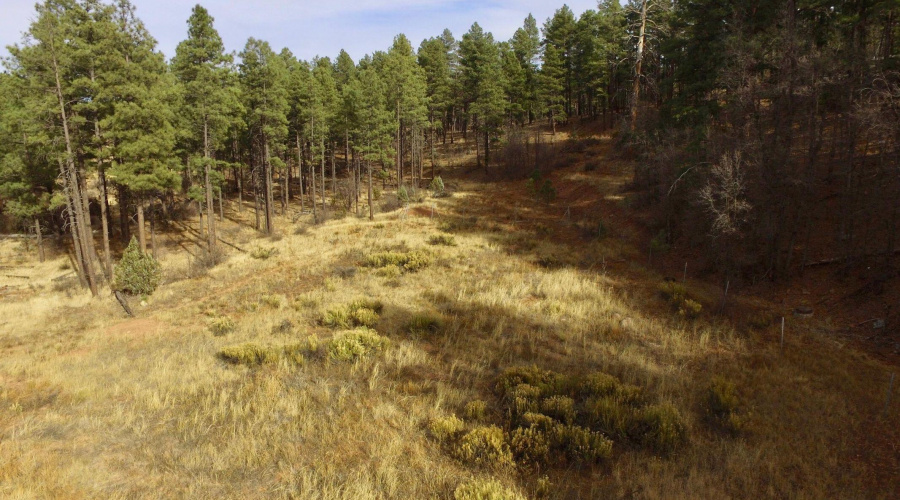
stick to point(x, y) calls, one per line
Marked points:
point(48, 64)
point(264, 92)
point(202, 67)
point(141, 125)
point(407, 89)
point(526, 45)
point(482, 83)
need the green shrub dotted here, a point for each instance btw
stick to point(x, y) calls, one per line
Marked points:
point(366, 303)
point(475, 410)
point(336, 318)
point(482, 489)
point(598, 385)
point(661, 427)
point(424, 323)
point(723, 405)
point(220, 326)
point(583, 445)
point(437, 187)
point(406, 261)
point(355, 344)
point(390, 272)
point(678, 298)
point(442, 239)
point(360, 312)
point(484, 447)
point(547, 382)
point(137, 273)
point(561, 408)
point(446, 430)
point(255, 355)
point(530, 444)
point(610, 416)
point(403, 195)
point(364, 316)
point(262, 253)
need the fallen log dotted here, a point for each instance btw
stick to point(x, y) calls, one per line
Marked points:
point(123, 301)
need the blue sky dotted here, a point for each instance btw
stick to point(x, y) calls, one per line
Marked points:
point(322, 27)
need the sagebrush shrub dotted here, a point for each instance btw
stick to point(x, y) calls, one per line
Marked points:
point(485, 489)
point(484, 447)
point(406, 261)
point(437, 187)
point(583, 445)
point(446, 430)
point(360, 312)
point(661, 427)
point(137, 273)
point(222, 325)
point(355, 344)
point(255, 355)
point(475, 410)
point(442, 239)
point(723, 405)
point(561, 408)
point(610, 416)
point(263, 253)
point(530, 444)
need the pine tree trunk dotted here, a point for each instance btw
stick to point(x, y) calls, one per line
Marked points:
point(142, 238)
point(221, 207)
point(76, 239)
point(211, 222)
point(636, 87)
point(322, 170)
point(333, 175)
point(399, 148)
point(104, 223)
point(40, 238)
point(270, 201)
point(240, 189)
point(153, 237)
point(287, 183)
point(300, 170)
point(371, 206)
point(75, 194)
point(312, 178)
point(487, 149)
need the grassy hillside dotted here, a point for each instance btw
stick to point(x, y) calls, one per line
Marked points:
point(328, 363)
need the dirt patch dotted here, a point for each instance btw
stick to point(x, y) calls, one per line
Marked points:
point(135, 328)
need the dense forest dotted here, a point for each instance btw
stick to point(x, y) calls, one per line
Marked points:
point(766, 132)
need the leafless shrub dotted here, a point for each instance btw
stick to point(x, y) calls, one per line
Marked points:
point(723, 195)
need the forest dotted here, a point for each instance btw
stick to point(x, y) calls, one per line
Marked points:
point(584, 240)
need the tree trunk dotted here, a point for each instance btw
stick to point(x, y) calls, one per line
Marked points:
point(104, 222)
point(322, 170)
point(270, 201)
point(40, 238)
point(221, 207)
point(487, 149)
point(312, 178)
point(371, 206)
point(153, 236)
point(142, 238)
point(333, 175)
point(211, 220)
point(300, 170)
point(81, 224)
point(636, 87)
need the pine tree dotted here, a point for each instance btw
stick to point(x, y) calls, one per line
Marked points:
point(482, 84)
point(526, 44)
point(202, 67)
point(368, 92)
point(557, 69)
point(264, 92)
point(406, 87)
point(49, 65)
point(141, 125)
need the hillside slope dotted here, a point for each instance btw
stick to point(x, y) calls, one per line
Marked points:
point(256, 379)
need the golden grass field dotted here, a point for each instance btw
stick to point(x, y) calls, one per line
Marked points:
point(97, 405)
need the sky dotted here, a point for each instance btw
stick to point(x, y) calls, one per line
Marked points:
point(322, 27)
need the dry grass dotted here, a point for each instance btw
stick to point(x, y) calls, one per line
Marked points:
point(94, 405)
